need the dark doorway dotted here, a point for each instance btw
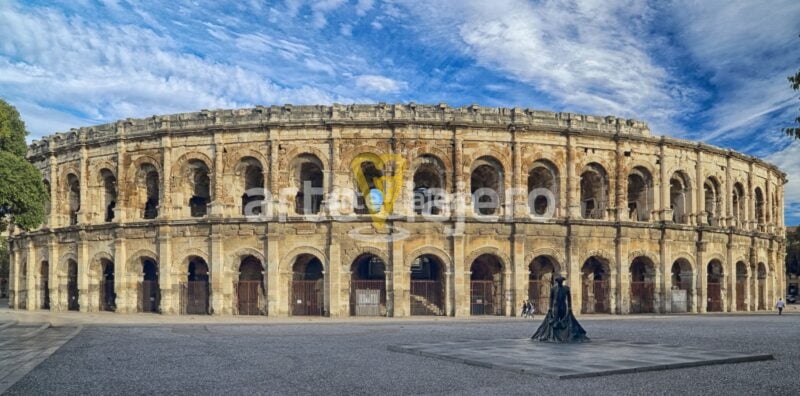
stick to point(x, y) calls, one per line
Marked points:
point(714, 286)
point(196, 289)
point(44, 285)
point(149, 292)
point(427, 288)
point(368, 286)
point(72, 286)
point(250, 291)
point(308, 287)
point(107, 295)
point(486, 286)
point(596, 295)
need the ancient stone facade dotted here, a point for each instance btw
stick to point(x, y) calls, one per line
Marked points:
point(479, 208)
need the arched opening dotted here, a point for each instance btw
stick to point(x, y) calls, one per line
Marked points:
point(682, 289)
point(760, 206)
point(427, 286)
point(762, 287)
point(196, 289)
point(252, 182)
point(74, 198)
point(741, 285)
point(72, 285)
point(542, 271)
point(250, 291)
point(200, 186)
point(714, 279)
point(429, 186)
point(713, 203)
point(543, 189)
point(594, 192)
point(149, 290)
point(368, 286)
point(44, 285)
point(640, 194)
point(486, 186)
point(738, 205)
point(308, 286)
point(596, 274)
point(148, 188)
point(642, 293)
point(109, 184)
point(108, 297)
point(486, 285)
point(309, 179)
point(680, 198)
point(369, 198)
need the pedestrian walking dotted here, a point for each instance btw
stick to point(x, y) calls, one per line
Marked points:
point(524, 309)
point(780, 304)
point(531, 309)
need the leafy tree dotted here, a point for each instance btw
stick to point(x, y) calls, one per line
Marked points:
point(4, 258)
point(22, 193)
point(794, 131)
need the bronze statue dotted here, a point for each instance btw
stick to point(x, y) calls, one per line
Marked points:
point(559, 324)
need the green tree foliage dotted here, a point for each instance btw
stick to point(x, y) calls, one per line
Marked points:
point(5, 259)
point(22, 192)
point(794, 131)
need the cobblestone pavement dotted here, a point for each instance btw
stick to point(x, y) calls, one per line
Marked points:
point(353, 358)
point(24, 345)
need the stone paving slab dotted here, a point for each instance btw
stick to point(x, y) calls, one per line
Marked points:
point(596, 358)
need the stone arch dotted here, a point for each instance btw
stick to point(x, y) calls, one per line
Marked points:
point(134, 264)
point(96, 167)
point(642, 271)
point(96, 259)
point(370, 152)
point(435, 152)
point(505, 260)
point(759, 206)
point(596, 280)
point(602, 255)
point(290, 155)
point(501, 157)
point(234, 258)
point(640, 193)
point(594, 183)
point(139, 162)
point(289, 258)
point(487, 180)
point(62, 262)
point(431, 251)
point(428, 183)
point(179, 165)
point(306, 170)
point(712, 198)
point(186, 257)
point(653, 257)
point(232, 160)
point(680, 196)
point(556, 254)
point(362, 250)
point(543, 174)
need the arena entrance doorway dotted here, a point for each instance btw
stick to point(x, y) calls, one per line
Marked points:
point(149, 290)
point(107, 295)
point(72, 286)
point(714, 279)
point(427, 288)
point(368, 286)
point(196, 289)
point(596, 294)
point(44, 285)
point(250, 287)
point(486, 286)
point(542, 270)
point(308, 287)
point(642, 293)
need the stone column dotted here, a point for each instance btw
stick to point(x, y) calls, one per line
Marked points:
point(572, 188)
point(217, 206)
point(53, 279)
point(702, 279)
point(168, 284)
point(335, 270)
point(623, 275)
point(448, 292)
point(664, 208)
point(401, 277)
point(277, 300)
point(122, 272)
point(519, 202)
point(33, 274)
point(123, 201)
point(663, 287)
point(218, 273)
point(14, 275)
point(54, 219)
point(520, 271)
point(620, 195)
point(85, 209)
point(461, 278)
point(166, 209)
point(83, 274)
point(730, 272)
point(700, 216)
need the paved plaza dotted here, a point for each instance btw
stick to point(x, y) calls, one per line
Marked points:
point(137, 354)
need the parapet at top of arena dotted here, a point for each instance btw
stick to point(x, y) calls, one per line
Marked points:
point(354, 114)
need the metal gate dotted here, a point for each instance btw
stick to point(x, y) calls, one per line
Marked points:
point(107, 296)
point(714, 297)
point(539, 295)
point(195, 297)
point(482, 298)
point(149, 296)
point(367, 297)
point(426, 297)
point(307, 298)
point(45, 294)
point(595, 297)
point(642, 297)
point(249, 297)
point(72, 294)
point(740, 295)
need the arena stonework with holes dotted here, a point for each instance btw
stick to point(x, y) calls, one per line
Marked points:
point(159, 215)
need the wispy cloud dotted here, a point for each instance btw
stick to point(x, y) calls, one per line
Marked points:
point(378, 84)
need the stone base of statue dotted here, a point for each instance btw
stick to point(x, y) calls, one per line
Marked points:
point(563, 329)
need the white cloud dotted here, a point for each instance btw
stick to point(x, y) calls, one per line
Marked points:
point(320, 9)
point(363, 6)
point(379, 84)
point(788, 160)
point(346, 29)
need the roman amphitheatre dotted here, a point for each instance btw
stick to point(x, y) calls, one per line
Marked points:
point(260, 211)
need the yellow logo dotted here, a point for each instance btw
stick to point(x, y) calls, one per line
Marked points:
point(380, 182)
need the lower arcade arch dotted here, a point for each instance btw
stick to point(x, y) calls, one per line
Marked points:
point(595, 285)
point(642, 285)
point(541, 272)
point(682, 288)
point(368, 286)
point(427, 286)
point(714, 286)
point(486, 285)
point(195, 292)
point(108, 296)
point(149, 292)
point(72, 285)
point(44, 285)
point(307, 286)
point(250, 291)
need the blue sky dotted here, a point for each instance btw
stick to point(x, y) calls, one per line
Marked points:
point(708, 70)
